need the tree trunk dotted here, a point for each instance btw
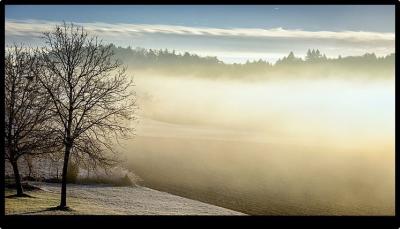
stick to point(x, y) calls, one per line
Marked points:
point(50, 168)
point(29, 164)
point(63, 203)
point(17, 177)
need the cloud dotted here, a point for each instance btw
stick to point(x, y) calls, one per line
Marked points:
point(231, 45)
point(35, 27)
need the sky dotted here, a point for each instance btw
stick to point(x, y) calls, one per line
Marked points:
point(233, 33)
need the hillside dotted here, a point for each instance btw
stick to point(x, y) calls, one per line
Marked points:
point(107, 200)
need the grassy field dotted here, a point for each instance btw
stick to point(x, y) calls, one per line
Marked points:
point(107, 200)
point(41, 202)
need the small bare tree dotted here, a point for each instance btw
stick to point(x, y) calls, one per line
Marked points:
point(29, 164)
point(90, 92)
point(28, 117)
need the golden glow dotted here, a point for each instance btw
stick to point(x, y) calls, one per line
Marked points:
point(325, 145)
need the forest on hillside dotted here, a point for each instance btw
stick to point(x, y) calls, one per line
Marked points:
point(314, 65)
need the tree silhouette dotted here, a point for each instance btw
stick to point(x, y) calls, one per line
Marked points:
point(28, 115)
point(313, 55)
point(289, 60)
point(91, 94)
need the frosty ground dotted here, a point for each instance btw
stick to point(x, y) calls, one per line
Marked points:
point(108, 200)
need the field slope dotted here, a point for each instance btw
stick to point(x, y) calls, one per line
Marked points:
point(107, 200)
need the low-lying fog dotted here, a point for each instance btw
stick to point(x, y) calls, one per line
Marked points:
point(268, 147)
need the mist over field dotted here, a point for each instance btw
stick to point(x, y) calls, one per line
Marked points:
point(153, 109)
point(273, 147)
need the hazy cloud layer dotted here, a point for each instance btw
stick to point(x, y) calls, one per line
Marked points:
point(228, 44)
point(35, 26)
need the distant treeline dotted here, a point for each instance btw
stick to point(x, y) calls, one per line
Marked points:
point(315, 64)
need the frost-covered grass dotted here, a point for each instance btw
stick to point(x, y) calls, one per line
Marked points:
point(41, 202)
point(108, 200)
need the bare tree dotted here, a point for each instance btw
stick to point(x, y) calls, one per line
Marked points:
point(91, 94)
point(27, 112)
point(29, 164)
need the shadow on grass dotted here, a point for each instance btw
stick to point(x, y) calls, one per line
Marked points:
point(19, 196)
point(52, 209)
